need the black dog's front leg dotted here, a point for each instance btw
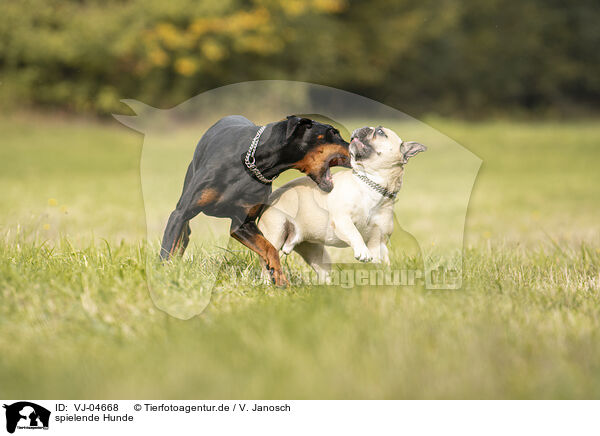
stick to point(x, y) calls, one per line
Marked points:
point(249, 235)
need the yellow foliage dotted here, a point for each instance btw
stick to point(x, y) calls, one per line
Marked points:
point(213, 51)
point(252, 30)
point(201, 26)
point(294, 8)
point(260, 44)
point(186, 66)
point(247, 20)
point(169, 35)
point(330, 6)
point(158, 57)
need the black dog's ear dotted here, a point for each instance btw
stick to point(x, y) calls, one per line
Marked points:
point(295, 125)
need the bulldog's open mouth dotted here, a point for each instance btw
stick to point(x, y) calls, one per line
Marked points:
point(358, 149)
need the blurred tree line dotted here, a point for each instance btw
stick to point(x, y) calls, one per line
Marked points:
point(445, 56)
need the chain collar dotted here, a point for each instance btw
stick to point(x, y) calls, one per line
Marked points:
point(251, 162)
point(375, 186)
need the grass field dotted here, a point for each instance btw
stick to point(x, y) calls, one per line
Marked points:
point(77, 321)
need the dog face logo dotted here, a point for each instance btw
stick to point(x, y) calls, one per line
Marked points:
point(26, 415)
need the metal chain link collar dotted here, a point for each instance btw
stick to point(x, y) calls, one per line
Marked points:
point(375, 186)
point(250, 161)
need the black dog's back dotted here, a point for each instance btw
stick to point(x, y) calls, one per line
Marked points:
point(227, 136)
point(226, 139)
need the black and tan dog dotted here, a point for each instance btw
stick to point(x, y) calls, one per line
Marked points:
point(230, 178)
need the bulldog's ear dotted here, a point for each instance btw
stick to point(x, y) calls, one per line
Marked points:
point(409, 149)
point(297, 125)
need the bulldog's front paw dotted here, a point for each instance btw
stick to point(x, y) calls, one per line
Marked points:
point(362, 254)
point(383, 261)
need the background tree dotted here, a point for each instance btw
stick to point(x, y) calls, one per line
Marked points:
point(452, 57)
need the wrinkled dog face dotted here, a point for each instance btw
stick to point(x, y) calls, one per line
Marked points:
point(379, 147)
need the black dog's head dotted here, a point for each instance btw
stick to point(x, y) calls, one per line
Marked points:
point(315, 147)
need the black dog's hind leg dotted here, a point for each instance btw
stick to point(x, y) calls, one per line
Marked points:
point(177, 233)
point(185, 239)
point(177, 227)
point(248, 234)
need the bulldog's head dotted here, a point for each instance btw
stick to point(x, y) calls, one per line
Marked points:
point(379, 148)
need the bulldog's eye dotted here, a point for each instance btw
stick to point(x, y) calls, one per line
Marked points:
point(380, 131)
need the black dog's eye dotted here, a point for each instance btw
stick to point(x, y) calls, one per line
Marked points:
point(332, 134)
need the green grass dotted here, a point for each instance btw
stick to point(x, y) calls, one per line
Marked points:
point(77, 320)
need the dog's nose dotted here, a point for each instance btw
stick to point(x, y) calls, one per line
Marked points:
point(363, 132)
point(357, 142)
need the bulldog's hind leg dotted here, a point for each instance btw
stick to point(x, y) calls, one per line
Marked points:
point(291, 236)
point(316, 256)
point(280, 230)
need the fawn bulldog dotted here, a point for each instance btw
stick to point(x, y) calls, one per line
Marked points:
point(358, 212)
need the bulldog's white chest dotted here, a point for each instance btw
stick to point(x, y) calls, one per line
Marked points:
point(369, 212)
